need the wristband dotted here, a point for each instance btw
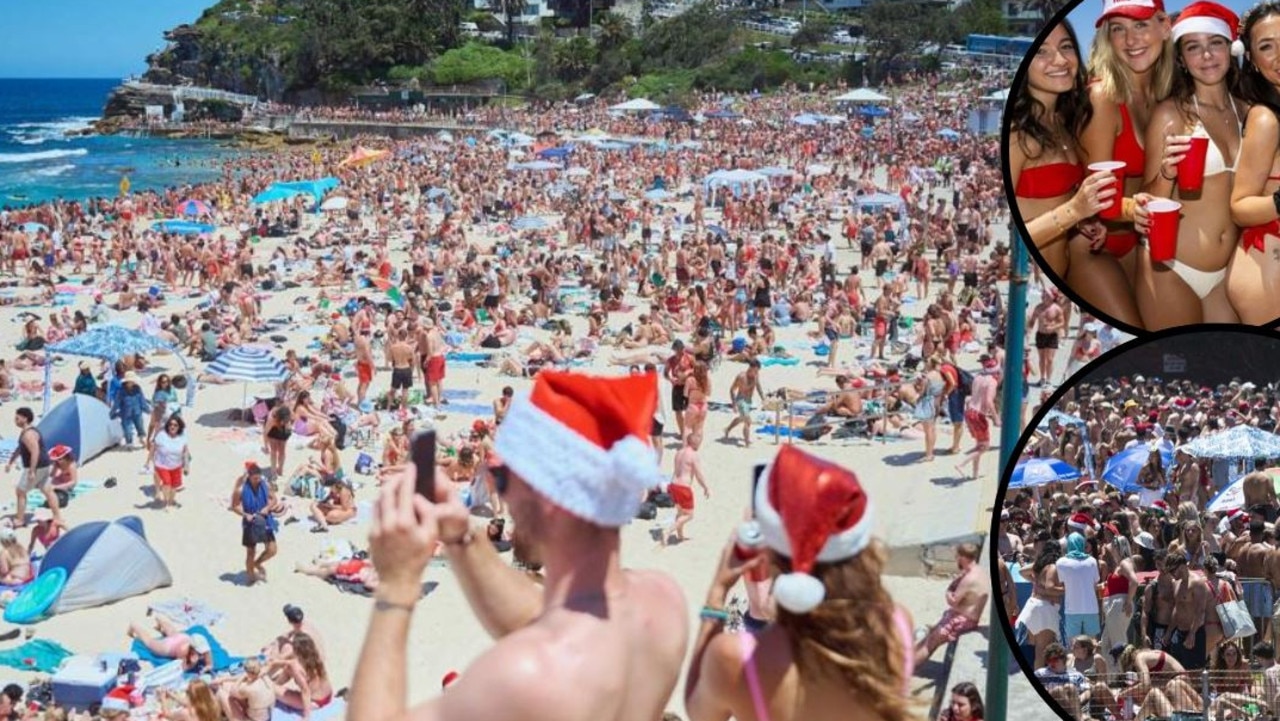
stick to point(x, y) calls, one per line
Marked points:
point(1162, 175)
point(385, 605)
point(719, 615)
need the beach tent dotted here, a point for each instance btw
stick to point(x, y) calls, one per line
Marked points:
point(639, 105)
point(274, 194)
point(82, 422)
point(861, 95)
point(315, 188)
point(109, 343)
point(104, 562)
point(875, 201)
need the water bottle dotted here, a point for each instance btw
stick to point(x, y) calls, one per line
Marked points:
point(747, 546)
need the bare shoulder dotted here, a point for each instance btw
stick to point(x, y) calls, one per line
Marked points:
point(658, 586)
point(1103, 104)
point(520, 677)
point(1261, 119)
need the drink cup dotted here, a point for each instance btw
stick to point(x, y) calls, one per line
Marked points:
point(1112, 211)
point(1191, 167)
point(747, 546)
point(1163, 233)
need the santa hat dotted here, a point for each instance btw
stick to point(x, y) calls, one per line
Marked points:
point(1132, 9)
point(1238, 514)
point(811, 511)
point(1079, 522)
point(1212, 18)
point(1160, 507)
point(582, 442)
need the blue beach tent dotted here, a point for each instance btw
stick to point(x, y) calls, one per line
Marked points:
point(105, 562)
point(84, 424)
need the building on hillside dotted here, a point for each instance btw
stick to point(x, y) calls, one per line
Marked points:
point(1023, 17)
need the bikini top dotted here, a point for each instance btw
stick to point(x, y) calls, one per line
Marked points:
point(1049, 181)
point(1214, 162)
point(1127, 150)
point(761, 704)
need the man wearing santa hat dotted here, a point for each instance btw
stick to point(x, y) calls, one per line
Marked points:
point(856, 656)
point(594, 642)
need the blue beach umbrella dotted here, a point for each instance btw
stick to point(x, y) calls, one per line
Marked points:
point(559, 152)
point(1041, 471)
point(1122, 469)
point(182, 227)
point(949, 134)
point(275, 194)
point(530, 222)
point(718, 231)
point(250, 364)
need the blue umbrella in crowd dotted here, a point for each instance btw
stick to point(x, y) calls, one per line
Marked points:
point(1041, 471)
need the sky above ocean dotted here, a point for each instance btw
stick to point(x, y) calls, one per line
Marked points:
point(86, 38)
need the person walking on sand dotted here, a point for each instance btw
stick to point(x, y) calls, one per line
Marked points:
point(365, 366)
point(431, 353)
point(251, 500)
point(594, 642)
point(980, 413)
point(688, 470)
point(400, 352)
point(168, 457)
point(744, 388)
point(35, 467)
point(677, 370)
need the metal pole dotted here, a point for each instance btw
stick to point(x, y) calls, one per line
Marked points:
point(997, 700)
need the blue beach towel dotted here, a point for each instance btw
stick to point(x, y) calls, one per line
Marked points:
point(336, 709)
point(772, 430)
point(470, 409)
point(37, 655)
point(461, 394)
point(465, 357)
point(221, 659)
point(766, 361)
point(35, 499)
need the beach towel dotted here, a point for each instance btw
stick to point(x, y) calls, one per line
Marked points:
point(188, 612)
point(35, 499)
point(168, 675)
point(37, 655)
point(470, 409)
point(460, 394)
point(364, 514)
point(772, 430)
point(221, 659)
point(766, 361)
point(468, 357)
point(7, 448)
point(336, 710)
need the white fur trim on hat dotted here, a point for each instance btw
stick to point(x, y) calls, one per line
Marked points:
point(1237, 48)
point(1202, 24)
point(798, 592)
point(598, 485)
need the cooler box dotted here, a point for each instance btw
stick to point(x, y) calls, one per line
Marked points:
point(81, 681)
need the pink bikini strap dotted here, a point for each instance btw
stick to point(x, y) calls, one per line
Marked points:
point(748, 641)
point(908, 647)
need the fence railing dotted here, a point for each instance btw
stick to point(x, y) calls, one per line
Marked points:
point(1205, 694)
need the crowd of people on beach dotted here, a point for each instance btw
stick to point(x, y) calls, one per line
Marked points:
point(700, 275)
point(1124, 585)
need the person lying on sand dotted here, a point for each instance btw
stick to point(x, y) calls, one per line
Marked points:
point(193, 650)
point(353, 570)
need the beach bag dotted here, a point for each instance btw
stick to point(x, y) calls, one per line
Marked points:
point(307, 486)
point(648, 511)
point(259, 531)
point(339, 427)
point(661, 500)
point(364, 464)
point(1236, 621)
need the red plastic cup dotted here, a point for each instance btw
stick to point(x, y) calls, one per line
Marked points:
point(1112, 211)
point(1162, 236)
point(1191, 167)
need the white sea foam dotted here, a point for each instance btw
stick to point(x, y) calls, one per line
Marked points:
point(42, 155)
point(54, 171)
point(36, 133)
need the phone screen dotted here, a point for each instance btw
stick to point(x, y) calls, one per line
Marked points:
point(423, 452)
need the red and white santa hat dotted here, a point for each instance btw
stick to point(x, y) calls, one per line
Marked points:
point(1238, 514)
point(1212, 18)
point(582, 442)
point(1160, 507)
point(811, 511)
point(1132, 9)
point(1079, 521)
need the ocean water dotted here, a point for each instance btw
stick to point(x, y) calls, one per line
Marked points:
point(38, 162)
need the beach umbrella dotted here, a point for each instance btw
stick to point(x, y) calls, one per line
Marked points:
point(363, 156)
point(34, 227)
point(250, 364)
point(806, 119)
point(1122, 469)
point(723, 115)
point(559, 152)
point(639, 105)
point(536, 165)
point(1041, 471)
point(718, 231)
point(657, 194)
point(872, 111)
point(577, 171)
point(949, 134)
point(194, 207)
point(818, 169)
point(335, 203)
point(182, 227)
point(109, 343)
point(1238, 442)
point(530, 222)
point(274, 194)
point(774, 171)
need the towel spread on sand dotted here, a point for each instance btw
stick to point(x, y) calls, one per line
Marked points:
point(35, 499)
point(37, 655)
point(221, 659)
point(364, 514)
point(336, 709)
point(188, 612)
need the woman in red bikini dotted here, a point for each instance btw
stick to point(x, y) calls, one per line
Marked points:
point(1049, 111)
point(1190, 288)
point(840, 647)
point(308, 686)
point(1160, 684)
point(1131, 62)
point(1253, 278)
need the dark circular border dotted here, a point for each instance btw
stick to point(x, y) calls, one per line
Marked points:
point(993, 533)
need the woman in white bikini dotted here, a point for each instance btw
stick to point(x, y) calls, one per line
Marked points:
point(1253, 278)
point(1190, 289)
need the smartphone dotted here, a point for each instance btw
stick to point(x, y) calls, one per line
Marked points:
point(423, 453)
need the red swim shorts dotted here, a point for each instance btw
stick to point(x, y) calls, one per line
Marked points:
point(350, 568)
point(682, 496)
point(978, 425)
point(169, 477)
point(364, 372)
point(952, 626)
point(435, 369)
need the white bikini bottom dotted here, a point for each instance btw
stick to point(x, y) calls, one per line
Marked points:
point(1202, 282)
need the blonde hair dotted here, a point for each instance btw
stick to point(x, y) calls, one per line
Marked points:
point(1114, 75)
point(852, 637)
point(202, 701)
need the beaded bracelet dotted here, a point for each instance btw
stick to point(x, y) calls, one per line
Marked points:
point(718, 615)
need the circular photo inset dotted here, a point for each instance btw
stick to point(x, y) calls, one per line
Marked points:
point(1142, 160)
point(1134, 544)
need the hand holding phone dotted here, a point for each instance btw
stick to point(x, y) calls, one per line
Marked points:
point(423, 453)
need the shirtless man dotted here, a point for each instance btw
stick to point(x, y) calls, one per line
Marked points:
point(744, 387)
point(966, 602)
point(431, 354)
point(1186, 625)
point(402, 355)
point(248, 697)
point(1048, 322)
point(364, 365)
point(980, 413)
point(881, 255)
point(593, 643)
point(1250, 555)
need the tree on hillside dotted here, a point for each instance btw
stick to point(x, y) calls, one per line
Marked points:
point(689, 39)
point(614, 31)
point(509, 11)
point(983, 17)
point(896, 30)
point(813, 32)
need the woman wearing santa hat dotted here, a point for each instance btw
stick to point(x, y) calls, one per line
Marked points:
point(1190, 288)
point(1255, 201)
point(840, 647)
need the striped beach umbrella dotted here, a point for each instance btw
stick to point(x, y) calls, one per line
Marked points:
point(251, 364)
point(1040, 471)
point(194, 207)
